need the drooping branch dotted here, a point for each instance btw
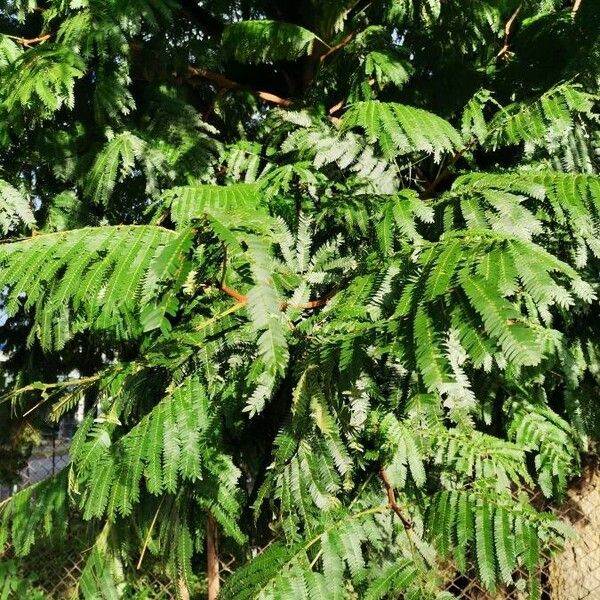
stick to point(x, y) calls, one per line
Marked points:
point(505, 49)
point(391, 497)
point(45, 387)
point(223, 82)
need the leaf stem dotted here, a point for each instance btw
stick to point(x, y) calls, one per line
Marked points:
point(391, 495)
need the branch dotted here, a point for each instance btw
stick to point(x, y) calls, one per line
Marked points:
point(224, 82)
point(233, 293)
point(391, 496)
point(273, 99)
point(217, 78)
point(429, 191)
point(44, 387)
point(29, 42)
point(319, 303)
point(507, 29)
point(311, 305)
point(576, 7)
point(336, 108)
point(338, 47)
point(150, 529)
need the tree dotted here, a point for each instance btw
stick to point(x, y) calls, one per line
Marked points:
point(327, 273)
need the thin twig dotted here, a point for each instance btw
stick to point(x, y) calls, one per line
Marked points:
point(229, 311)
point(429, 191)
point(312, 304)
point(391, 496)
point(48, 386)
point(224, 268)
point(316, 558)
point(507, 29)
point(338, 47)
point(147, 539)
point(224, 82)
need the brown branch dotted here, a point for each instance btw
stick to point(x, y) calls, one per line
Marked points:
point(220, 80)
point(311, 305)
point(233, 293)
point(224, 82)
point(273, 99)
point(338, 47)
point(28, 42)
point(320, 302)
point(576, 7)
point(336, 108)
point(507, 29)
point(429, 191)
point(391, 496)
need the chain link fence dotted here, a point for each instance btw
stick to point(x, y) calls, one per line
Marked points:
point(51, 456)
point(571, 575)
point(574, 573)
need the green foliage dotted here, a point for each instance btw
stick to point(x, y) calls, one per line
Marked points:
point(190, 203)
point(15, 585)
point(543, 122)
point(400, 129)
point(322, 274)
point(116, 160)
point(43, 78)
point(266, 41)
point(101, 273)
point(14, 210)
point(387, 68)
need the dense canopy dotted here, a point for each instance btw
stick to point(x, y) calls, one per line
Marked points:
point(322, 274)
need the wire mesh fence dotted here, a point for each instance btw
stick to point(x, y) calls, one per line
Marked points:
point(48, 458)
point(573, 574)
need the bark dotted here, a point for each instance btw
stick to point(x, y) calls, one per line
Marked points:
point(212, 558)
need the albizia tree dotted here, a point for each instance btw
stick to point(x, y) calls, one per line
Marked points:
point(327, 272)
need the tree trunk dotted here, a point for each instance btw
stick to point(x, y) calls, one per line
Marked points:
point(212, 558)
point(575, 573)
